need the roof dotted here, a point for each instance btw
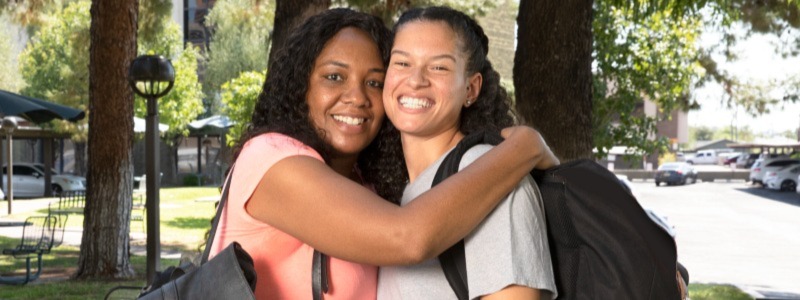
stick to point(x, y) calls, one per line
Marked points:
point(212, 121)
point(715, 144)
point(214, 125)
point(774, 142)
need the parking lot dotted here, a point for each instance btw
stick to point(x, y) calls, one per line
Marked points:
point(733, 233)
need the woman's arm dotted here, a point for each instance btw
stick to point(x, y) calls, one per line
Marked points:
point(543, 157)
point(515, 292)
point(305, 198)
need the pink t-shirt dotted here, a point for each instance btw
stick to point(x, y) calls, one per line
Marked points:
point(282, 262)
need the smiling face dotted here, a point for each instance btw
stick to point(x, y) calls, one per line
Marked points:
point(427, 82)
point(344, 93)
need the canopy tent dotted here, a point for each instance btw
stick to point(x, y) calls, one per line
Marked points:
point(216, 125)
point(771, 145)
point(213, 125)
point(37, 111)
point(139, 126)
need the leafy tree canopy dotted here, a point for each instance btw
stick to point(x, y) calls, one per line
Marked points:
point(241, 40)
point(10, 81)
point(389, 10)
point(239, 96)
point(30, 12)
point(637, 57)
point(55, 63)
point(649, 49)
point(55, 67)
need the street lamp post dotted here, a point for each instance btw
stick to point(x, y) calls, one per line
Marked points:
point(9, 124)
point(152, 77)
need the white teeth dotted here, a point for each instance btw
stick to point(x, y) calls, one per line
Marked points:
point(349, 120)
point(415, 103)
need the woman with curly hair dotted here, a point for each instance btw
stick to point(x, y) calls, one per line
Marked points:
point(307, 169)
point(439, 87)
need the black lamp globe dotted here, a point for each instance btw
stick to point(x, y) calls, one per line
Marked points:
point(152, 77)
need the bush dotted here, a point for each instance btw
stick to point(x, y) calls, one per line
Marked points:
point(192, 180)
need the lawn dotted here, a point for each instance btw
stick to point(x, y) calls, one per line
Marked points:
point(185, 217)
point(716, 292)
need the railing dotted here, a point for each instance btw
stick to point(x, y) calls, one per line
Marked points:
point(69, 202)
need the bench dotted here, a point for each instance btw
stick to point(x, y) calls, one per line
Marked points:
point(69, 202)
point(39, 235)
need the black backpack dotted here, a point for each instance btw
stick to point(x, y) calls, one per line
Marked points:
point(602, 243)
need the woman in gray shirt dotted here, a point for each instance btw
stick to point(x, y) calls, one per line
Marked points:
point(439, 87)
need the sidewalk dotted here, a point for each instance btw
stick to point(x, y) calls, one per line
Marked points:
point(11, 226)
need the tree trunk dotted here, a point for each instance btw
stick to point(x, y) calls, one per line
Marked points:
point(106, 226)
point(79, 153)
point(552, 73)
point(288, 15)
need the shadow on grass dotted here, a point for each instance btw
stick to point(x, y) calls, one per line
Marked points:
point(189, 223)
point(58, 267)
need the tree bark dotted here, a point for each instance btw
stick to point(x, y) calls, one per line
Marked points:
point(288, 15)
point(79, 153)
point(552, 73)
point(106, 242)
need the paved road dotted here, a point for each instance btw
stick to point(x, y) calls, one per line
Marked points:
point(732, 232)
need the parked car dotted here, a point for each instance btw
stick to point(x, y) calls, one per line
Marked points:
point(708, 157)
point(797, 188)
point(764, 165)
point(730, 157)
point(746, 160)
point(28, 181)
point(675, 173)
point(784, 179)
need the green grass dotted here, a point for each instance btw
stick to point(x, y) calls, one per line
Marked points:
point(184, 223)
point(63, 260)
point(716, 292)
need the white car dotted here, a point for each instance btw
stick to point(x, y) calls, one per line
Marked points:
point(708, 157)
point(762, 166)
point(28, 181)
point(783, 179)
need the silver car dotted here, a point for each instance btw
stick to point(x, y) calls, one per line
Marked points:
point(28, 181)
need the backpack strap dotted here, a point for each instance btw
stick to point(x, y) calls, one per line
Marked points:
point(319, 275)
point(453, 260)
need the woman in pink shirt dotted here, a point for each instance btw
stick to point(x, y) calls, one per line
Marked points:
point(317, 151)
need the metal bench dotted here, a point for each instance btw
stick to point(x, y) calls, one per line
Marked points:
point(39, 235)
point(69, 202)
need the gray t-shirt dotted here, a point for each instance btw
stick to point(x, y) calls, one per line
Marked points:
point(508, 248)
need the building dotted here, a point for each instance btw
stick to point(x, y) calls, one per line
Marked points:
point(191, 15)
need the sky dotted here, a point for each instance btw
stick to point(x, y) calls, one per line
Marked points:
point(757, 63)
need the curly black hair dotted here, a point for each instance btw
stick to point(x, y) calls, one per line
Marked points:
point(282, 106)
point(492, 109)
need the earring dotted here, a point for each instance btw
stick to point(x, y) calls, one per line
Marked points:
point(469, 102)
